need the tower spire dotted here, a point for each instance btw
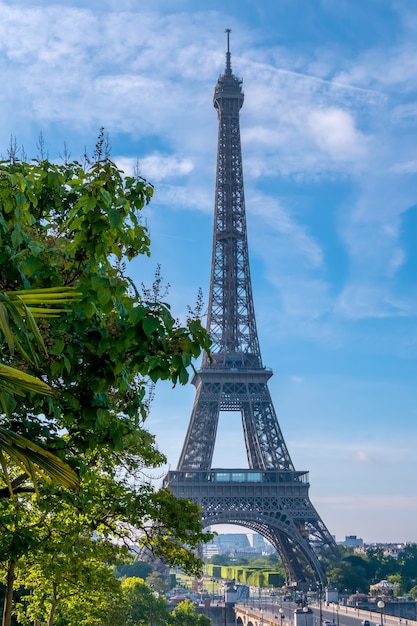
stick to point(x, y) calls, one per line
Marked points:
point(228, 64)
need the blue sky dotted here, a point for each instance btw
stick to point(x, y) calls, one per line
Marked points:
point(329, 138)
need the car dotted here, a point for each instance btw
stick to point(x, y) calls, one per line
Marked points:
point(327, 622)
point(366, 622)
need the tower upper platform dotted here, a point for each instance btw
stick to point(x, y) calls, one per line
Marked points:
point(228, 85)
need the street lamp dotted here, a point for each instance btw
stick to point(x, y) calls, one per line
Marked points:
point(281, 614)
point(380, 606)
point(320, 593)
point(305, 611)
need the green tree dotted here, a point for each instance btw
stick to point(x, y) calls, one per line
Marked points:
point(346, 575)
point(272, 561)
point(185, 614)
point(396, 580)
point(157, 582)
point(407, 563)
point(35, 529)
point(66, 579)
point(141, 605)
point(62, 226)
point(138, 569)
point(220, 559)
point(381, 565)
point(67, 226)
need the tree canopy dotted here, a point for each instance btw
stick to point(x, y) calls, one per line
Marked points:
point(70, 226)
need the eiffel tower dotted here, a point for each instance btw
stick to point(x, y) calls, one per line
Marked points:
point(270, 497)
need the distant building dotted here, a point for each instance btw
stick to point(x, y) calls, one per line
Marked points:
point(390, 549)
point(256, 541)
point(233, 542)
point(352, 541)
point(394, 549)
point(358, 545)
point(237, 544)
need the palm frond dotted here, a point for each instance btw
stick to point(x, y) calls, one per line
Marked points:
point(34, 460)
point(18, 310)
point(12, 379)
point(18, 326)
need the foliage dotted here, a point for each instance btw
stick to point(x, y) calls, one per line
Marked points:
point(260, 571)
point(157, 582)
point(350, 577)
point(379, 564)
point(141, 606)
point(61, 226)
point(18, 327)
point(64, 226)
point(33, 461)
point(355, 571)
point(66, 578)
point(360, 570)
point(407, 567)
point(219, 559)
point(185, 614)
point(138, 569)
point(266, 562)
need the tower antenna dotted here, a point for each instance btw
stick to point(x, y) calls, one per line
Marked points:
point(228, 64)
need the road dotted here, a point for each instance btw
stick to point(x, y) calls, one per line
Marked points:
point(338, 615)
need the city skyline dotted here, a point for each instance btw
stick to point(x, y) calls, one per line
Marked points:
point(330, 166)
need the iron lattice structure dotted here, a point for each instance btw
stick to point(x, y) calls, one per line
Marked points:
point(270, 497)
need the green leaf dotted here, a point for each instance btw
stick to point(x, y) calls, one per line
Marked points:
point(150, 325)
point(88, 203)
point(106, 196)
point(57, 347)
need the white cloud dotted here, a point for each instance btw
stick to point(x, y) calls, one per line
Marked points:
point(366, 301)
point(156, 167)
point(405, 167)
point(180, 197)
point(335, 132)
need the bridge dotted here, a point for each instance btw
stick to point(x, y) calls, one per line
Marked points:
point(246, 615)
point(254, 616)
